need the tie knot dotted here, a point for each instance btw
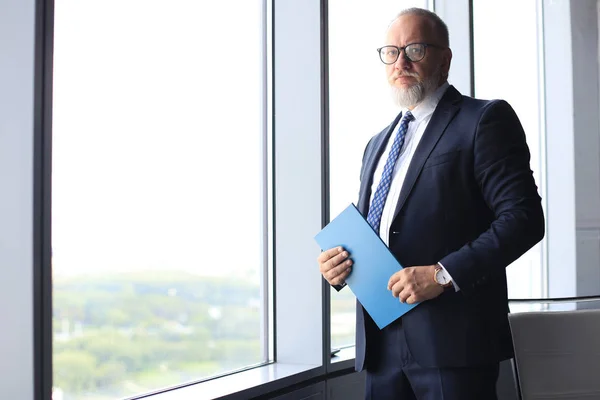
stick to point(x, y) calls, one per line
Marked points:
point(408, 116)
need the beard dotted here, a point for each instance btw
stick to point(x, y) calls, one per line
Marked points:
point(410, 97)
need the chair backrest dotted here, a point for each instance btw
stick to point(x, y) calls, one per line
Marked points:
point(557, 354)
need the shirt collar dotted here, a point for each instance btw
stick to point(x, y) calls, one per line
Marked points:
point(427, 106)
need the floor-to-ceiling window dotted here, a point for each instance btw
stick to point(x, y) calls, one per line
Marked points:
point(158, 194)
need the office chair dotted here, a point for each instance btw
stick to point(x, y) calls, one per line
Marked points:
point(557, 354)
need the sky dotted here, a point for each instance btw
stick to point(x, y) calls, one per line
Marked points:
point(156, 135)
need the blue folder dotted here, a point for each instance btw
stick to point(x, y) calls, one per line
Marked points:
point(373, 265)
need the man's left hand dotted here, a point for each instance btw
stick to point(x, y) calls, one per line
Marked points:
point(415, 284)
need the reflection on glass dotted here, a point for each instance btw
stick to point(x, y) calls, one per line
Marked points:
point(360, 106)
point(157, 162)
point(497, 80)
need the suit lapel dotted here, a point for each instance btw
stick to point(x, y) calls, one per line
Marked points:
point(443, 114)
point(371, 161)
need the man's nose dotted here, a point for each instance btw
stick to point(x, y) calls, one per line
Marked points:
point(402, 62)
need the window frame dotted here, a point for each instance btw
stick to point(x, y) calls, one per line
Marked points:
point(285, 364)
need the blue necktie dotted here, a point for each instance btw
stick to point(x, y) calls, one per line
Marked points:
point(376, 209)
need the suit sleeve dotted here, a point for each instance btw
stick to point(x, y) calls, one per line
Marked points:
point(502, 171)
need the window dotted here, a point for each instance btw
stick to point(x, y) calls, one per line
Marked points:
point(158, 221)
point(360, 106)
point(517, 81)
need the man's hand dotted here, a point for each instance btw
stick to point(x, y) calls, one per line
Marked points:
point(415, 284)
point(334, 265)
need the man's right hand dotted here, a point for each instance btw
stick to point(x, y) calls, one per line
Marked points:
point(334, 265)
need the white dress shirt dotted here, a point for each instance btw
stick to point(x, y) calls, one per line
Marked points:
point(422, 115)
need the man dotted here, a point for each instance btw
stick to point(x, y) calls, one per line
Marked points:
point(449, 188)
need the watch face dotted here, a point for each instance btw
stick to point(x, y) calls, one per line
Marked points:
point(441, 277)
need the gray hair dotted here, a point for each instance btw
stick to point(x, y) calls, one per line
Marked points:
point(439, 27)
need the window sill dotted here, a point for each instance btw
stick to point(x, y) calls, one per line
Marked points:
point(344, 359)
point(245, 384)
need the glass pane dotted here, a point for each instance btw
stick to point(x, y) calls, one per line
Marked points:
point(360, 106)
point(498, 80)
point(157, 136)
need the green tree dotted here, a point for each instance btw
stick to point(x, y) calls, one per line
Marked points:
point(74, 371)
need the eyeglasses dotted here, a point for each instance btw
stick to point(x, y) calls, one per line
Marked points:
point(413, 52)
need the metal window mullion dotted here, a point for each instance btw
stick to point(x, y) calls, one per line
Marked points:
point(42, 156)
point(542, 143)
point(266, 278)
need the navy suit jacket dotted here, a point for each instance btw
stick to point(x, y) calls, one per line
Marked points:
point(469, 201)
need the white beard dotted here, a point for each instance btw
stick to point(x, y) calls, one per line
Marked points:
point(410, 97)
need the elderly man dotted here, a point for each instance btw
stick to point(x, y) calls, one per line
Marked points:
point(448, 187)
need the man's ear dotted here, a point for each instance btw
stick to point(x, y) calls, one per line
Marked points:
point(446, 60)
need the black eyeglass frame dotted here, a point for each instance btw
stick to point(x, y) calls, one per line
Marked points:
point(402, 50)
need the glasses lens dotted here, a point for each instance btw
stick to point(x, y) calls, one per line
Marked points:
point(388, 54)
point(415, 52)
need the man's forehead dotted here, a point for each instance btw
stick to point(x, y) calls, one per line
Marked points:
point(410, 28)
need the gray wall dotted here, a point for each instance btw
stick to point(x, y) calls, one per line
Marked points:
point(16, 200)
point(572, 147)
point(584, 27)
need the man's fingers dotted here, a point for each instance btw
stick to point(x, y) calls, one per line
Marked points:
point(397, 277)
point(331, 258)
point(335, 265)
point(397, 289)
point(411, 299)
point(404, 295)
point(337, 270)
point(336, 261)
point(341, 278)
point(327, 254)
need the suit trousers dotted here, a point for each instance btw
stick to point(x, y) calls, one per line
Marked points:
point(392, 373)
